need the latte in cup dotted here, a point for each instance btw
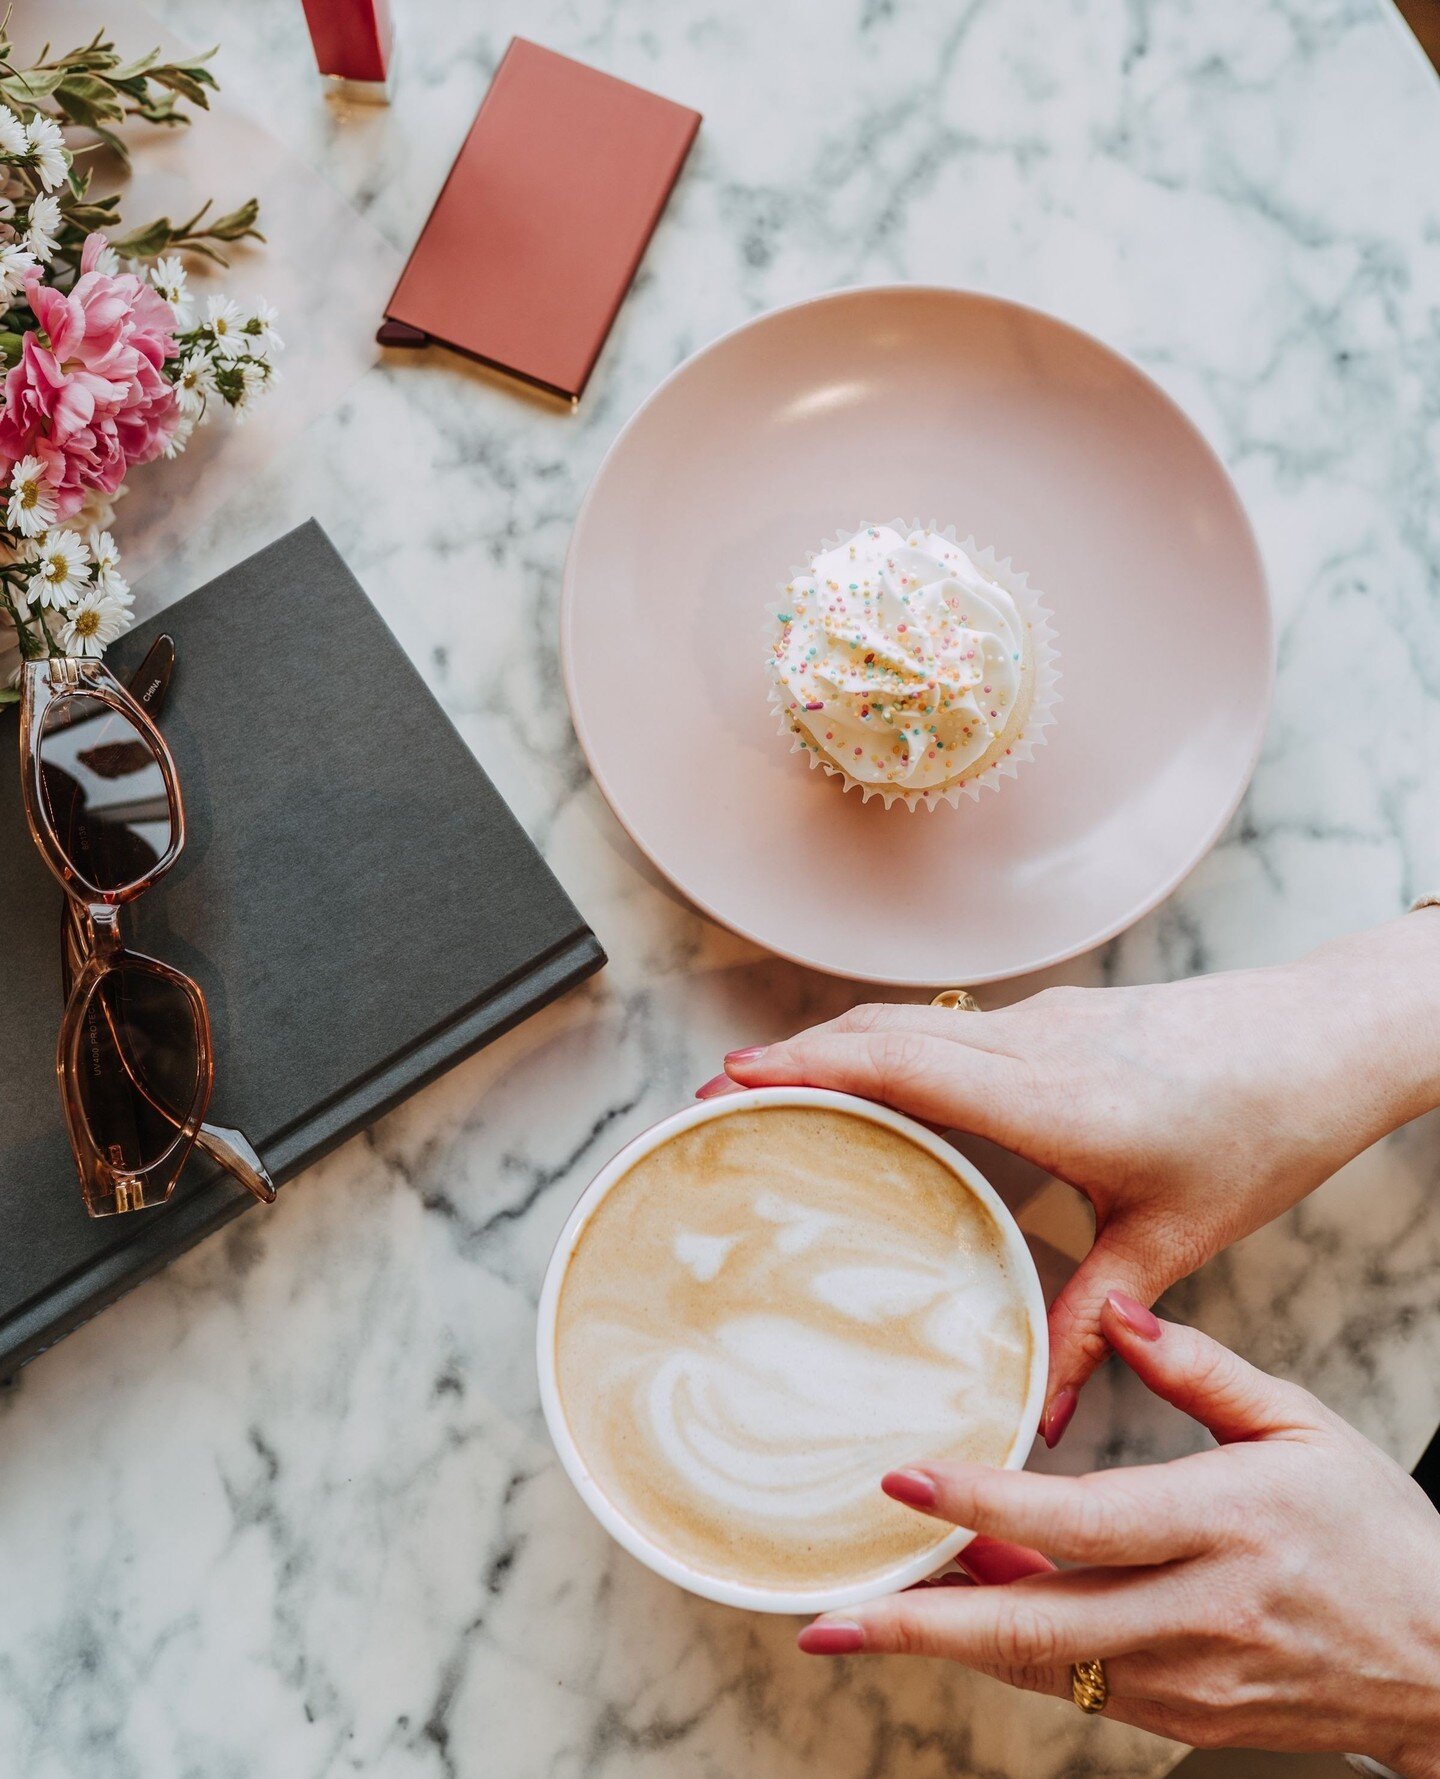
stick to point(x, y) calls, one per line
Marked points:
point(766, 1312)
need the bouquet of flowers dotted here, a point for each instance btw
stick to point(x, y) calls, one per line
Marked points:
point(106, 362)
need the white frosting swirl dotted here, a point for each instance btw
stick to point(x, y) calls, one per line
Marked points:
point(898, 659)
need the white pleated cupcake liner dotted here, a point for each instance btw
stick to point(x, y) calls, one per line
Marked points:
point(1033, 609)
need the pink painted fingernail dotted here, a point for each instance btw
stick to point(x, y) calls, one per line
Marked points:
point(1057, 1416)
point(717, 1084)
point(831, 1636)
point(912, 1487)
point(1134, 1315)
point(748, 1054)
point(993, 1563)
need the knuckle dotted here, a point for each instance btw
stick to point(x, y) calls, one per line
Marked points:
point(1087, 1344)
point(869, 1016)
point(1245, 1622)
point(905, 1635)
point(1213, 1695)
point(1230, 1525)
point(1305, 1407)
point(1215, 1371)
point(898, 1057)
point(1095, 1517)
point(1025, 1637)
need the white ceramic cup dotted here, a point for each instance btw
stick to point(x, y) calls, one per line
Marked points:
point(731, 1593)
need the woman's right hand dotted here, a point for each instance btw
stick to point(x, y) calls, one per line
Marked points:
point(1275, 1592)
point(1188, 1113)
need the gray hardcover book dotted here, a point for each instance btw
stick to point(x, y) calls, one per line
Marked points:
point(358, 904)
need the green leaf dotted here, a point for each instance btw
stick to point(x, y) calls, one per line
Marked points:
point(95, 213)
point(195, 65)
point(94, 89)
point(238, 224)
point(159, 108)
point(145, 243)
point(23, 89)
point(87, 101)
point(9, 695)
point(128, 71)
point(185, 82)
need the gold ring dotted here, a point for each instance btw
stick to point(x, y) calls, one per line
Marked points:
point(1088, 1685)
point(960, 1000)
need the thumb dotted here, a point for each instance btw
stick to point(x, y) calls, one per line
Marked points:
point(1214, 1386)
point(1121, 1259)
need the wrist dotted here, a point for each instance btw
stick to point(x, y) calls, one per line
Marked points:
point(1373, 1002)
point(1406, 1737)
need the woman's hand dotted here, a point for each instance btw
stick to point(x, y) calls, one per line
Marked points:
point(1278, 1592)
point(1188, 1113)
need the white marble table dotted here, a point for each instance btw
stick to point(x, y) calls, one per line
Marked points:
point(289, 1509)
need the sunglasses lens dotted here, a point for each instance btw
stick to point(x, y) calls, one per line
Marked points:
point(104, 792)
point(139, 1073)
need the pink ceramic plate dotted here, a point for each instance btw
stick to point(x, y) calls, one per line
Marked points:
point(867, 405)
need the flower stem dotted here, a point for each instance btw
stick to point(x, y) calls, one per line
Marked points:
point(31, 649)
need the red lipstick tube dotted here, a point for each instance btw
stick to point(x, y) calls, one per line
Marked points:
point(353, 42)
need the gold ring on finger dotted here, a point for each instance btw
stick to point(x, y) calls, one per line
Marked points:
point(960, 1000)
point(1088, 1685)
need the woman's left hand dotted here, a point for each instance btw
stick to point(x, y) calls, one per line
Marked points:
point(1277, 1592)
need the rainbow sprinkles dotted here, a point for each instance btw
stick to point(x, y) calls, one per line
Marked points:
point(913, 667)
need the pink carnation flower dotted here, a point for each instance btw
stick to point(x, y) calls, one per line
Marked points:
point(95, 401)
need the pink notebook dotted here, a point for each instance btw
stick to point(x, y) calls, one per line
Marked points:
point(543, 220)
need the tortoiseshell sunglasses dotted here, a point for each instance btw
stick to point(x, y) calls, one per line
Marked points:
point(134, 1059)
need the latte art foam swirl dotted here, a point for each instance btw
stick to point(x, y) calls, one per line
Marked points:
point(797, 1441)
point(763, 1317)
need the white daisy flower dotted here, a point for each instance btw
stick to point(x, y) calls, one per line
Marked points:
point(95, 619)
point(261, 335)
point(167, 276)
point(16, 264)
point(226, 322)
point(195, 382)
point(107, 261)
point(13, 139)
point(253, 377)
point(47, 150)
point(180, 438)
point(31, 509)
point(42, 235)
point(62, 568)
point(105, 567)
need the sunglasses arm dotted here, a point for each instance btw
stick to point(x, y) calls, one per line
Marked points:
point(233, 1152)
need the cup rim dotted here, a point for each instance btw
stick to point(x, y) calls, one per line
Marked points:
point(629, 1536)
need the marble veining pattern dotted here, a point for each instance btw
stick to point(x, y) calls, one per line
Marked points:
point(289, 1508)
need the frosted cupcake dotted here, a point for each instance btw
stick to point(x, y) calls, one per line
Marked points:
point(913, 666)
